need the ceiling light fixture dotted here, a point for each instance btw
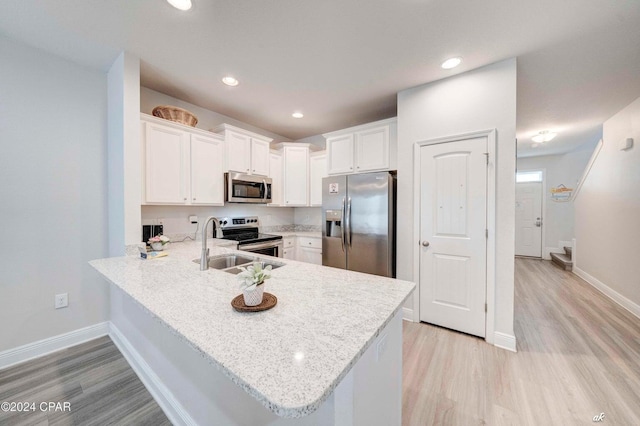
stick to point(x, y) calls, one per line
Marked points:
point(544, 136)
point(451, 63)
point(180, 4)
point(297, 115)
point(230, 81)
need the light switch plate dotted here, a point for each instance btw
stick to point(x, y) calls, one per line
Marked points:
point(61, 300)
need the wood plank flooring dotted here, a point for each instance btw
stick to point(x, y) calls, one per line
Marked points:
point(93, 377)
point(578, 356)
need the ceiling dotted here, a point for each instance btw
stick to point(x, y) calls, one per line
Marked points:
point(341, 62)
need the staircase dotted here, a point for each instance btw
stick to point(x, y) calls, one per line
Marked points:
point(563, 260)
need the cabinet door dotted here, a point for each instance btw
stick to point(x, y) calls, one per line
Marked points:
point(238, 152)
point(166, 165)
point(318, 168)
point(340, 154)
point(296, 176)
point(275, 173)
point(310, 255)
point(207, 178)
point(259, 157)
point(372, 149)
point(289, 253)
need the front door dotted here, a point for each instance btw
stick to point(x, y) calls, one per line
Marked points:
point(453, 245)
point(529, 219)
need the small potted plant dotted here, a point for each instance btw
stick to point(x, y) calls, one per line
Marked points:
point(252, 282)
point(158, 242)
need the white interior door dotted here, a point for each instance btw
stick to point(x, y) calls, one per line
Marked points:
point(529, 219)
point(453, 223)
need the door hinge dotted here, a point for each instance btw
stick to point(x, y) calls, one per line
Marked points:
point(486, 233)
point(485, 307)
point(486, 154)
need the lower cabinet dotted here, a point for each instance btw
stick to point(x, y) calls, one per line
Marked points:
point(303, 249)
point(289, 250)
point(309, 250)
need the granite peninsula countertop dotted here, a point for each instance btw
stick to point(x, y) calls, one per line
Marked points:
point(290, 358)
point(310, 234)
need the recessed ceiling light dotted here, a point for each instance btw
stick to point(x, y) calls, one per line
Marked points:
point(230, 81)
point(180, 4)
point(451, 63)
point(297, 115)
point(544, 136)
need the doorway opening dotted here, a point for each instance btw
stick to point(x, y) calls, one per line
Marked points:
point(529, 213)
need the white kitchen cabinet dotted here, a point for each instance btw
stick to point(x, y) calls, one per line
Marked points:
point(289, 248)
point(340, 154)
point(309, 249)
point(296, 175)
point(365, 148)
point(317, 171)
point(277, 185)
point(245, 151)
point(372, 149)
point(207, 178)
point(166, 151)
point(182, 165)
point(259, 157)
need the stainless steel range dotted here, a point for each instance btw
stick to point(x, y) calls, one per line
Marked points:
point(245, 231)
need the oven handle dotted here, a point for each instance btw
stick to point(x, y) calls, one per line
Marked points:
point(258, 246)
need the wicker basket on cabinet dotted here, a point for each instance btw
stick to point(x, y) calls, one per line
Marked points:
point(176, 114)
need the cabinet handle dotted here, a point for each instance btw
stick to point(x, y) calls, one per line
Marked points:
point(194, 199)
point(185, 198)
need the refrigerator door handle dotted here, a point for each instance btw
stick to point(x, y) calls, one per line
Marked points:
point(343, 223)
point(348, 222)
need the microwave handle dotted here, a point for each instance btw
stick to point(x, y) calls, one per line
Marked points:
point(264, 198)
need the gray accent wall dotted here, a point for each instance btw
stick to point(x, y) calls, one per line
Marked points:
point(53, 189)
point(607, 210)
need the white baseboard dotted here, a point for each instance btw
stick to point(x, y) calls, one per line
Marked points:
point(162, 395)
point(629, 305)
point(52, 344)
point(504, 341)
point(407, 314)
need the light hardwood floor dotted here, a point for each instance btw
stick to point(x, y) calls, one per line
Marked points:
point(94, 377)
point(578, 356)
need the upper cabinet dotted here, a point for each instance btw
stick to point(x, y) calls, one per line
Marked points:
point(296, 175)
point(317, 172)
point(245, 151)
point(181, 165)
point(275, 173)
point(365, 148)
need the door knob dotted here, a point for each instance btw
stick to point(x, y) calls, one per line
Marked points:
point(538, 222)
point(425, 244)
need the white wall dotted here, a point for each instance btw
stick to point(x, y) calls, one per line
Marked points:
point(175, 218)
point(563, 169)
point(53, 191)
point(207, 120)
point(477, 100)
point(308, 216)
point(607, 209)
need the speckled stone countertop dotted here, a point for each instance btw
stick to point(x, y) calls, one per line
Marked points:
point(290, 358)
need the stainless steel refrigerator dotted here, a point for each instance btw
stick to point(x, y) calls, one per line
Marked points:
point(358, 222)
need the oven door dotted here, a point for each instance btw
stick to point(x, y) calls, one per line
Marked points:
point(269, 248)
point(241, 188)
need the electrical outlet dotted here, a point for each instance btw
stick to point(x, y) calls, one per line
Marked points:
point(381, 347)
point(61, 300)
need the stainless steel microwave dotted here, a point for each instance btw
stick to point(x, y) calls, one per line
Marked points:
point(241, 188)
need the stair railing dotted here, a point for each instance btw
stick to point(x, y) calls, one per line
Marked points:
point(587, 169)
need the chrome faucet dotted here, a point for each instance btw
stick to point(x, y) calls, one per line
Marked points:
point(204, 257)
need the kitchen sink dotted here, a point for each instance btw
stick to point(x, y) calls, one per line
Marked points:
point(230, 262)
